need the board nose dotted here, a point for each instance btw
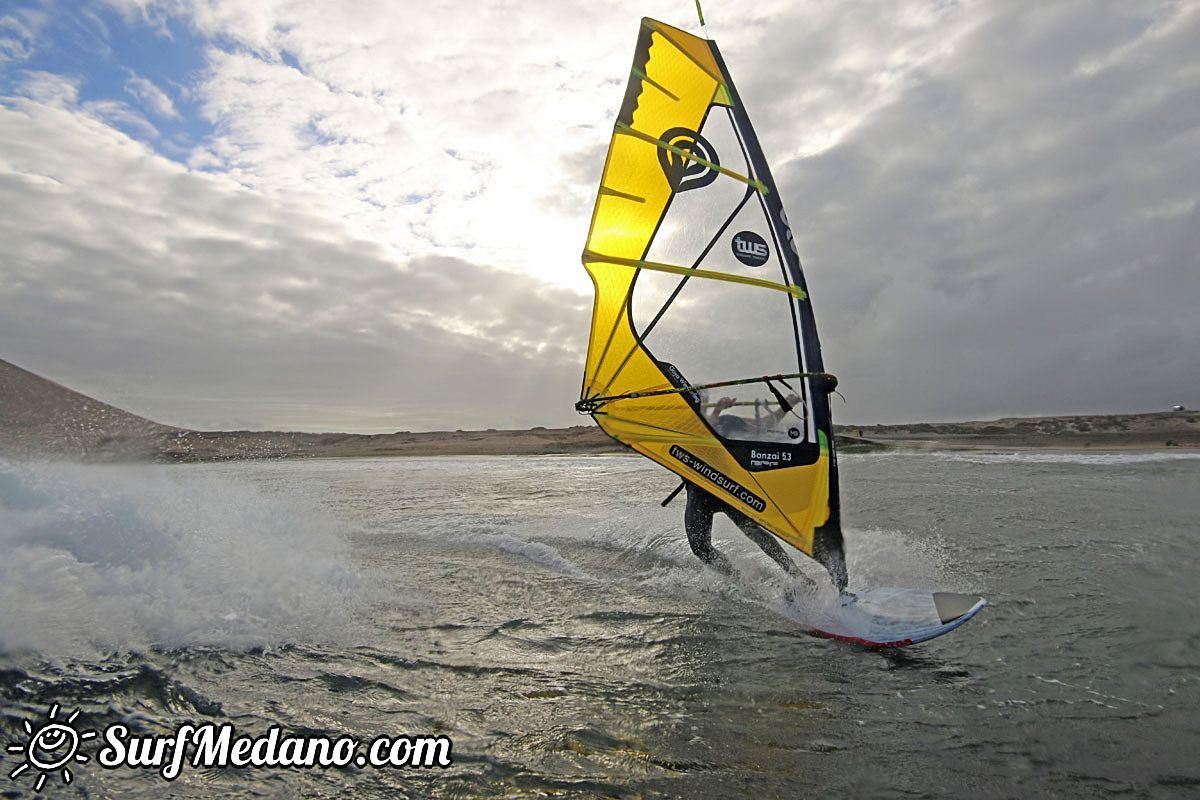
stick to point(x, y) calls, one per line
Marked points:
point(951, 605)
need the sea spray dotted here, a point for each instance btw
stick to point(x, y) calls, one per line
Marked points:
point(104, 558)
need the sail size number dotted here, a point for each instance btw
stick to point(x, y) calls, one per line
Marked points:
point(769, 459)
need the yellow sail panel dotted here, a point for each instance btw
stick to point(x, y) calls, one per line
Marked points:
point(693, 47)
point(661, 430)
point(621, 225)
point(697, 283)
point(691, 79)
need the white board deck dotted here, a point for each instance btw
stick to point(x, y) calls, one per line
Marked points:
point(887, 617)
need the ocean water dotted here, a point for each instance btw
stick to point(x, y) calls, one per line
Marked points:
point(546, 616)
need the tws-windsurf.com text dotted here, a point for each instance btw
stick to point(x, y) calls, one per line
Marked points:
point(216, 746)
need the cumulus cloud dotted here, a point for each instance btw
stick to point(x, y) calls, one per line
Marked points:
point(131, 265)
point(378, 224)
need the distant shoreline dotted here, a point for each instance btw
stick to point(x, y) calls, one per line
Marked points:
point(41, 419)
point(1077, 432)
point(1081, 432)
point(1115, 432)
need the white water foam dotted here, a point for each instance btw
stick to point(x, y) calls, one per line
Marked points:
point(541, 554)
point(120, 558)
point(880, 557)
point(1110, 457)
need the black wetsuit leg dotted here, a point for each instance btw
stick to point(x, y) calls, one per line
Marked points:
point(698, 522)
point(766, 542)
point(829, 550)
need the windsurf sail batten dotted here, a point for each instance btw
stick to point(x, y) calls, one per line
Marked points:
point(698, 286)
point(691, 157)
point(695, 272)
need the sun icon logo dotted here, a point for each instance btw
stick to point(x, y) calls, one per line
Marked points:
point(53, 747)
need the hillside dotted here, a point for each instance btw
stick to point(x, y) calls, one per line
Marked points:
point(1155, 429)
point(41, 419)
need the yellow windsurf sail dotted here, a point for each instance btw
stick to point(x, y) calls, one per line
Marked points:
point(703, 352)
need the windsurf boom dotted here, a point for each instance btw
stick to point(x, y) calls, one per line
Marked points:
point(703, 353)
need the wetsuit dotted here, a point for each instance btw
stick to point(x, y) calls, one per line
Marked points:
point(828, 549)
point(698, 521)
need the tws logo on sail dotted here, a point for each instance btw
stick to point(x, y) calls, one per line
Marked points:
point(750, 249)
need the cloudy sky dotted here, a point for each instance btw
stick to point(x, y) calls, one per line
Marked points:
point(367, 216)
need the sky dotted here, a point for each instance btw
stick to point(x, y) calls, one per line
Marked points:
point(368, 216)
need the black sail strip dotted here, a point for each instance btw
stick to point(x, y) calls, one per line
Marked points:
point(827, 539)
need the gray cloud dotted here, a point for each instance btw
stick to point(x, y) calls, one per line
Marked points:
point(996, 204)
point(184, 292)
point(1017, 231)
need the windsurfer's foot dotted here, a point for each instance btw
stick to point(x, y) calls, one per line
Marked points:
point(721, 564)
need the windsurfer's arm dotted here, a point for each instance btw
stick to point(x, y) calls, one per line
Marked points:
point(781, 412)
point(719, 408)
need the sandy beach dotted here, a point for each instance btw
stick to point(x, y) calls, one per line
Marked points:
point(42, 419)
